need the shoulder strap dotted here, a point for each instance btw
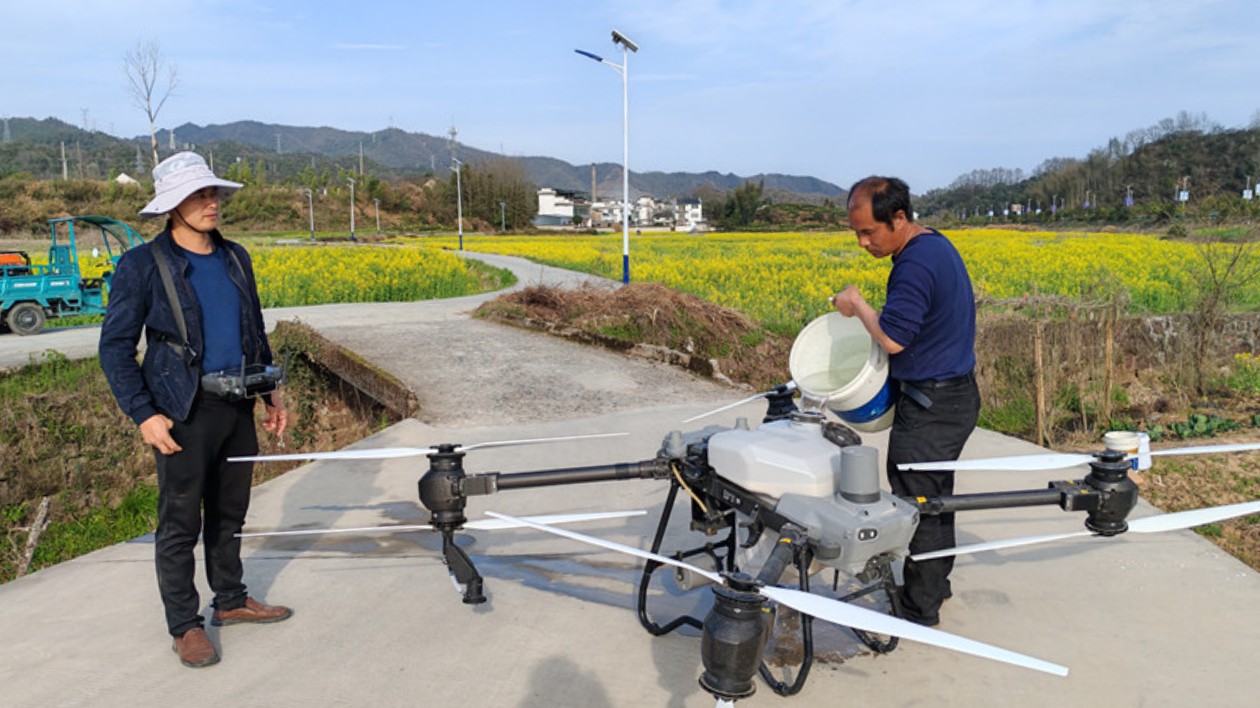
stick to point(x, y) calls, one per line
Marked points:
point(164, 270)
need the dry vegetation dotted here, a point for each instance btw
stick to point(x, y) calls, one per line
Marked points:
point(706, 338)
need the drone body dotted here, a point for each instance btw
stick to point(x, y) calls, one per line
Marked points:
point(715, 457)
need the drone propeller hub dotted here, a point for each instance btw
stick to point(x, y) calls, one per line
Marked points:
point(441, 488)
point(1109, 475)
point(735, 632)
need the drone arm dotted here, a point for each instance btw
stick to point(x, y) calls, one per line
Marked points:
point(933, 506)
point(490, 483)
point(781, 557)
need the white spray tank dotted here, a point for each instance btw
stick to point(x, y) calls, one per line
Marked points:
point(781, 457)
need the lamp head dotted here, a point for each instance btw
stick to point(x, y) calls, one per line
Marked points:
point(619, 38)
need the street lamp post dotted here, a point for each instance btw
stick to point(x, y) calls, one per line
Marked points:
point(377, 201)
point(627, 46)
point(503, 216)
point(310, 209)
point(351, 180)
point(459, 202)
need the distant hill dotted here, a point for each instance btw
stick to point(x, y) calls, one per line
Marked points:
point(1149, 166)
point(417, 153)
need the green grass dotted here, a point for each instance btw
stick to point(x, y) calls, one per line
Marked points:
point(135, 516)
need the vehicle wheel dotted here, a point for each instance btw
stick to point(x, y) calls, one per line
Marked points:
point(26, 318)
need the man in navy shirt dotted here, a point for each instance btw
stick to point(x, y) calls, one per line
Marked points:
point(928, 328)
point(192, 430)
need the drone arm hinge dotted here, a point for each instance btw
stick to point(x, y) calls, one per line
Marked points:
point(647, 469)
point(477, 485)
point(1077, 496)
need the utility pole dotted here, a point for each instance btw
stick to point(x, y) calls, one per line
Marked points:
point(310, 207)
point(459, 192)
point(360, 158)
point(351, 180)
point(377, 201)
point(459, 200)
point(65, 169)
point(503, 216)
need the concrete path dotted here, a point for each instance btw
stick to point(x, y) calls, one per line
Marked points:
point(1157, 620)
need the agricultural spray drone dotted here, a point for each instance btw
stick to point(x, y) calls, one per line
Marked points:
point(809, 485)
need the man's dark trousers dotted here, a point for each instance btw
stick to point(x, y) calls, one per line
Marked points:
point(922, 434)
point(215, 430)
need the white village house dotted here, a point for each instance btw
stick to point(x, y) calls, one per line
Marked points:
point(561, 208)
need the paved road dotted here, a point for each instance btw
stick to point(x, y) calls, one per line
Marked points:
point(1163, 620)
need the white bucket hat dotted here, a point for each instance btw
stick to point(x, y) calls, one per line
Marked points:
point(179, 176)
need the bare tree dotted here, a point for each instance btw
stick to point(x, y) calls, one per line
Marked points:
point(1224, 270)
point(145, 67)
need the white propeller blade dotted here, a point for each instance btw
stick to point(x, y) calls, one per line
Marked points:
point(312, 532)
point(488, 524)
point(479, 525)
point(1058, 461)
point(824, 608)
point(997, 545)
point(611, 545)
point(790, 386)
point(1192, 518)
point(1046, 461)
point(847, 615)
point(537, 441)
point(1207, 449)
point(1149, 524)
point(388, 453)
point(380, 453)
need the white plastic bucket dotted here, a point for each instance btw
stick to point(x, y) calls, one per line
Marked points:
point(1136, 444)
point(834, 359)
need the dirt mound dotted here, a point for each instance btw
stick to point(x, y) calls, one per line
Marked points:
point(655, 321)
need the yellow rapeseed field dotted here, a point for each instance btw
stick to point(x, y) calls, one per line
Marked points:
point(781, 279)
point(315, 275)
point(785, 279)
point(289, 276)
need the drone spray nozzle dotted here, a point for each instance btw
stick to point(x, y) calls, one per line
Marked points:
point(735, 632)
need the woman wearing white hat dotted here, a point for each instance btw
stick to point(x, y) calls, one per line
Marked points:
point(203, 325)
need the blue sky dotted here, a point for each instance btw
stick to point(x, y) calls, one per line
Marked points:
point(926, 90)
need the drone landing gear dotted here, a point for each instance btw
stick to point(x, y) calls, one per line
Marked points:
point(462, 570)
point(724, 561)
point(879, 577)
point(737, 627)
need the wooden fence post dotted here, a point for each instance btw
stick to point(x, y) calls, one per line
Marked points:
point(1039, 371)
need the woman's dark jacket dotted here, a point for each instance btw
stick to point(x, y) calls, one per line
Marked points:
point(167, 382)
